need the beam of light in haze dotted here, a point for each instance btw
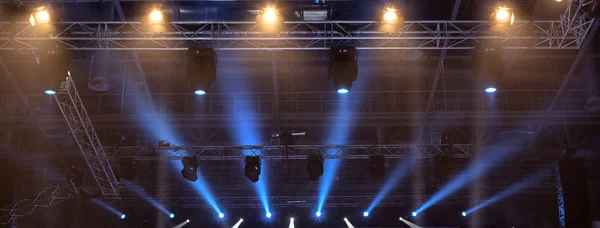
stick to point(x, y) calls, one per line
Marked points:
point(397, 175)
point(348, 223)
point(338, 135)
point(138, 190)
point(237, 225)
point(478, 167)
point(182, 224)
point(108, 207)
point(291, 223)
point(412, 225)
point(246, 132)
point(157, 125)
point(513, 189)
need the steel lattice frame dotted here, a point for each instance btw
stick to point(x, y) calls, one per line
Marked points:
point(290, 152)
point(81, 128)
point(43, 199)
point(292, 201)
point(567, 33)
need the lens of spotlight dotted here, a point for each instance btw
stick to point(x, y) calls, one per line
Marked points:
point(172, 215)
point(490, 90)
point(502, 15)
point(464, 214)
point(200, 92)
point(42, 16)
point(345, 219)
point(187, 220)
point(414, 214)
point(50, 92)
point(155, 17)
point(342, 91)
point(318, 214)
point(390, 16)
point(221, 215)
point(292, 219)
point(123, 216)
point(269, 16)
point(365, 214)
point(400, 218)
point(268, 214)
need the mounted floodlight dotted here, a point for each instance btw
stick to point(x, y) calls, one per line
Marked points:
point(155, 16)
point(314, 168)
point(342, 69)
point(190, 167)
point(252, 169)
point(390, 19)
point(40, 15)
point(503, 18)
point(201, 69)
point(269, 20)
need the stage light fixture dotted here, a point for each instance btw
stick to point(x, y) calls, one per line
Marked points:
point(50, 92)
point(40, 15)
point(342, 68)
point(269, 15)
point(269, 20)
point(376, 166)
point(314, 167)
point(502, 19)
point(221, 215)
point(414, 214)
point(268, 215)
point(464, 214)
point(123, 216)
point(390, 15)
point(155, 16)
point(490, 89)
point(318, 214)
point(172, 215)
point(252, 169)
point(190, 167)
point(201, 68)
point(292, 219)
point(365, 214)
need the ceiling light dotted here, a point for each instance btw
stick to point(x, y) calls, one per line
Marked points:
point(155, 17)
point(390, 15)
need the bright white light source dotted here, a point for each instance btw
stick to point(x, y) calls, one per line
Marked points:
point(42, 16)
point(365, 213)
point(187, 220)
point(390, 15)
point(318, 214)
point(221, 215)
point(464, 214)
point(502, 15)
point(200, 92)
point(155, 17)
point(123, 216)
point(50, 92)
point(414, 214)
point(269, 16)
point(172, 215)
point(490, 90)
point(291, 219)
point(342, 91)
point(268, 214)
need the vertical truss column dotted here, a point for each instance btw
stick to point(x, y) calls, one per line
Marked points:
point(79, 123)
point(43, 199)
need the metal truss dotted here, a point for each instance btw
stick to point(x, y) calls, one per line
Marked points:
point(290, 152)
point(81, 128)
point(292, 201)
point(567, 33)
point(43, 199)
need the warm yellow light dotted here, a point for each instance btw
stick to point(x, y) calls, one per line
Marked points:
point(155, 16)
point(502, 14)
point(390, 15)
point(42, 16)
point(558, 0)
point(269, 16)
point(32, 20)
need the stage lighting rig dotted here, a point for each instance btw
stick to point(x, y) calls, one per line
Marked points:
point(503, 18)
point(376, 166)
point(190, 168)
point(252, 168)
point(391, 19)
point(488, 66)
point(315, 168)
point(53, 68)
point(269, 20)
point(40, 15)
point(342, 68)
point(201, 68)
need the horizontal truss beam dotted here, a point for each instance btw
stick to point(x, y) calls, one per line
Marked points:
point(296, 35)
point(43, 199)
point(292, 201)
point(290, 152)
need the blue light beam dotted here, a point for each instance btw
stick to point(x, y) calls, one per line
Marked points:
point(478, 167)
point(108, 207)
point(339, 135)
point(513, 189)
point(140, 192)
point(400, 171)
